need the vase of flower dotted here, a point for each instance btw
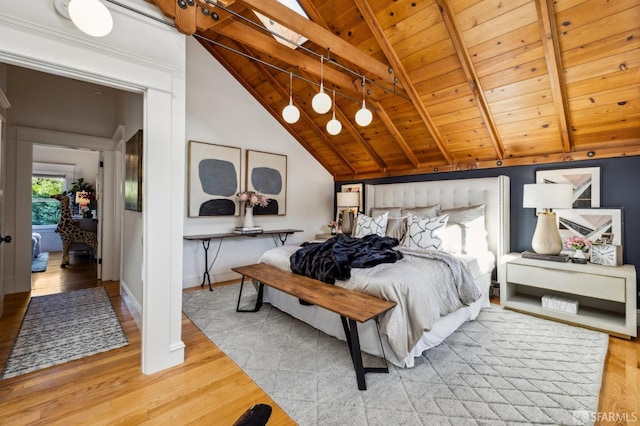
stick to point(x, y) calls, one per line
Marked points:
point(579, 244)
point(249, 200)
point(248, 217)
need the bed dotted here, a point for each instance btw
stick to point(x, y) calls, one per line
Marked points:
point(413, 202)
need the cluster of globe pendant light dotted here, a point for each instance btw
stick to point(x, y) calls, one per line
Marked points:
point(321, 103)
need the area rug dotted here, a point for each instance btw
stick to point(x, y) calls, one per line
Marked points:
point(39, 263)
point(504, 368)
point(63, 327)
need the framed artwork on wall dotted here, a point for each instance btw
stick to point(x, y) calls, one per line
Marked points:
point(267, 174)
point(355, 187)
point(590, 223)
point(585, 181)
point(214, 179)
point(133, 173)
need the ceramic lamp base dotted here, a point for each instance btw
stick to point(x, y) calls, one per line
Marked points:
point(546, 238)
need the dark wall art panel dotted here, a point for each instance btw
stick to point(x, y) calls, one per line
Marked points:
point(133, 173)
point(214, 179)
point(267, 174)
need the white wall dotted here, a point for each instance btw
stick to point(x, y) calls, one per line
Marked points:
point(221, 111)
point(133, 225)
point(85, 162)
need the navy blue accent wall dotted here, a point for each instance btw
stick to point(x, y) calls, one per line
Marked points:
point(620, 187)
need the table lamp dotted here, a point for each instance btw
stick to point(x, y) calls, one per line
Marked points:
point(547, 196)
point(348, 200)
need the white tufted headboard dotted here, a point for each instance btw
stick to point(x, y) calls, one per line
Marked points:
point(493, 192)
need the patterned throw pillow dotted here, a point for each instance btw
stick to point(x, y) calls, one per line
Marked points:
point(371, 225)
point(423, 232)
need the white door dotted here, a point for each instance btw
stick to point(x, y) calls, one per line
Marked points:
point(4, 238)
point(99, 195)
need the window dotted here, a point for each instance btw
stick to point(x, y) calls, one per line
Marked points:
point(44, 209)
point(295, 38)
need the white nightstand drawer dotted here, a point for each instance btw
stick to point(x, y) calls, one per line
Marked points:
point(585, 284)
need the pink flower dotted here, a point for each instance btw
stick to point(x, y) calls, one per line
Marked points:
point(578, 243)
point(252, 199)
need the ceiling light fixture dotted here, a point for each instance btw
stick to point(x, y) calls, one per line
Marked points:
point(363, 116)
point(91, 17)
point(321, 102)
point(334, 126)
point(291, 113)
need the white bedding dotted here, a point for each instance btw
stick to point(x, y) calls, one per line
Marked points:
point(403, 339)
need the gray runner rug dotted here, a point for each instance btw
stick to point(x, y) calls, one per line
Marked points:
point(61, 327)
point(505, 368)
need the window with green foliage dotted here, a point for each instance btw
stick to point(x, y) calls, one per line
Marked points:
point(44, 209)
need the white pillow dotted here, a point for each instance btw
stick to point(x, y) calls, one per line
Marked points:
point(466, 232)
point(422, 232)
point(368, 225)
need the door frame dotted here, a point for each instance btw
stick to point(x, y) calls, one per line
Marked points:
point(153, 65)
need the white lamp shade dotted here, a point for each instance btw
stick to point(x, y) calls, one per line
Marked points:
point(321, 102)
point(348, 199)
point(291, 113)
point(91, 17)
point(334, 126)
point(364, 116)
point(547, 196)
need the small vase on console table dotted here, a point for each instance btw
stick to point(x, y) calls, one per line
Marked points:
point(248, 217)
point(579, 257)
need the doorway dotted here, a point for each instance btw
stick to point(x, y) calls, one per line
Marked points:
point(63, 170)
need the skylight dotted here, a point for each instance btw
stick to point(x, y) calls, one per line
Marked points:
point(294, 39)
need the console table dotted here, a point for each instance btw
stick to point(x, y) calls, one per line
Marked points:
point(277, 235)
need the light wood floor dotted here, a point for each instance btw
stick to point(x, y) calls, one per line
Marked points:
point(109, 388)
point(207, 389)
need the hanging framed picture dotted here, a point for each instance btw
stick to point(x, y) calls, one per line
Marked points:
point(214, 179)
point(591, 224)
point(133, 173)
point(585, 181)
point(267, 174)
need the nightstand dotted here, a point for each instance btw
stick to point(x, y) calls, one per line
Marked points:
point(324, 237)
point(606, 295)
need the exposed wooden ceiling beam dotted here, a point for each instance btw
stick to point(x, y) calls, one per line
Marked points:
point(242, 34)
point(397, 136)
point(207, 17)
point(322, 37)
point(392, 57)
point(554, 66)
point(472, 76)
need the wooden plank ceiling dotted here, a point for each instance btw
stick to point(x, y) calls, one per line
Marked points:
point(452, 84)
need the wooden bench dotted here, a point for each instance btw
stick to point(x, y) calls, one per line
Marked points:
point(352, 306)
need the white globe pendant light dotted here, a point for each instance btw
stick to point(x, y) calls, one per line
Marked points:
point(91, 17)
point(363, 116)
point(334, 126)
point(321, 102)
point(291, 113)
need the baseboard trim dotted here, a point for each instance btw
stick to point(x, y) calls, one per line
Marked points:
point(194, 281)
point(132, 305)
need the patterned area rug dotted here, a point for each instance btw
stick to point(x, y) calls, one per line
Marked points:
point(39, 263)
point(62, 327)
point(504, 368)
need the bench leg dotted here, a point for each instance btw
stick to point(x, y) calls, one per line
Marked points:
point(258, 300)
point(353, 341)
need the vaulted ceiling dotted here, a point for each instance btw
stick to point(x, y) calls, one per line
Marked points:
point(452, 84)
